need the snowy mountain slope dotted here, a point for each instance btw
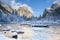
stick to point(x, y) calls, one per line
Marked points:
point(52, 13)
point(9, 15)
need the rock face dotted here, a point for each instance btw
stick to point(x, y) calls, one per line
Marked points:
point(24, 11)
point(9, 15)
point(5, 8)
point(52, 13)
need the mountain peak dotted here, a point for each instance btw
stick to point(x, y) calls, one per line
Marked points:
point(52, 13)
point(25, 11)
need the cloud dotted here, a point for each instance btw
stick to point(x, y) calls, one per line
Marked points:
point(15, 5)
point(29, 8)
point(6, 1)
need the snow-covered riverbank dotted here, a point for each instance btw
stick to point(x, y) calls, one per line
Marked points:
point(33, 33)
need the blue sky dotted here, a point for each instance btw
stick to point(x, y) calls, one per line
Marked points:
point(38, 6)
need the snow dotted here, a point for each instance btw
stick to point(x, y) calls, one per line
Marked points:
point(38, 33)
point(3, 37)
point(8, 27)
point(19, 30)
point(48, 8)
point(0, 25)
point(14, 33)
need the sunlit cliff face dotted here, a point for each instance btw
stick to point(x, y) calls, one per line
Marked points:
point(23, 11)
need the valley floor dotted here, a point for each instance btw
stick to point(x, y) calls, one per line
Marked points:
point(31, 33)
